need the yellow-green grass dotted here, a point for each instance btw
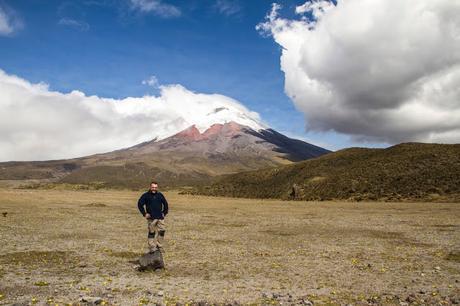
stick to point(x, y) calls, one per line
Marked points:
point(57, 245)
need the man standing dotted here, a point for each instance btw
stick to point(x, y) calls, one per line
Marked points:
point(156, 208)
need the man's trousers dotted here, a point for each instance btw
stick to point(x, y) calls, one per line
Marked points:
point(156, 234)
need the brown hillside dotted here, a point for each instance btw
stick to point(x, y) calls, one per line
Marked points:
point(410, 171)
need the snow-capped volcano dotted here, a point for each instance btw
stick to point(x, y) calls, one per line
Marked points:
point(188, 157)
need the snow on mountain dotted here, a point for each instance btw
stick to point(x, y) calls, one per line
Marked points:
point(204, 110)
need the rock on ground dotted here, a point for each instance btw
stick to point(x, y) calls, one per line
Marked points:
point(151, 261)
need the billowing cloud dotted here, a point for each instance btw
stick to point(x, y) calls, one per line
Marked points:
point(9, 21)
point(38, 124)
point(157, 7)
point(377, 70)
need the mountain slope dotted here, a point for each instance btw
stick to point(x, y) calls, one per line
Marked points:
point(189, 157)
point(410, 171)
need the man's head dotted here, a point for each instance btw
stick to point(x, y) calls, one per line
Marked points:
point(153, 186)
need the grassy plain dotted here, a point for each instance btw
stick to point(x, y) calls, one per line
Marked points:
point(58, 246)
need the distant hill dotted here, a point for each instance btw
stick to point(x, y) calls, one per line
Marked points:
point(409, 171)
point(186, 158)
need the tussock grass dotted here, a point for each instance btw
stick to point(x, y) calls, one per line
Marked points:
point(405, 172)
point(454, 256)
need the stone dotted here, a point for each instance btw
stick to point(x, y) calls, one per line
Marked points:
point(151, 261)
point(91, 300)
point(411, 298)
point(307, 302)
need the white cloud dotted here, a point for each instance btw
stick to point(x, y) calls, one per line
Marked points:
point(316, 8)
point(9, 21)
point(152, 81)
point(37, 123)
point(227, 7)
point(77, 24)
point(157, 7)
point(378, 70)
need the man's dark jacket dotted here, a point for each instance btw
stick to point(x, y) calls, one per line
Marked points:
point(155, 203)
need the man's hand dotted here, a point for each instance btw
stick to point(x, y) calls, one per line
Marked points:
point(147, 216)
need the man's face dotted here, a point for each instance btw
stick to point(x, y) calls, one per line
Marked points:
point(154, 187)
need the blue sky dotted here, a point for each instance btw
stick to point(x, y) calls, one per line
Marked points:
point(356, 72)
point(107, 48)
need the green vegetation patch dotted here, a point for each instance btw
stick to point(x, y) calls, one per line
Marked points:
point(96, 204)
point(281, 232)
point(126, 254)
point(453, 256)
point(41, 283)
point(38, 258)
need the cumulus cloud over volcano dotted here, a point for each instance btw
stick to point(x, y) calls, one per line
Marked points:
point(378, 70)
point(38, 124)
